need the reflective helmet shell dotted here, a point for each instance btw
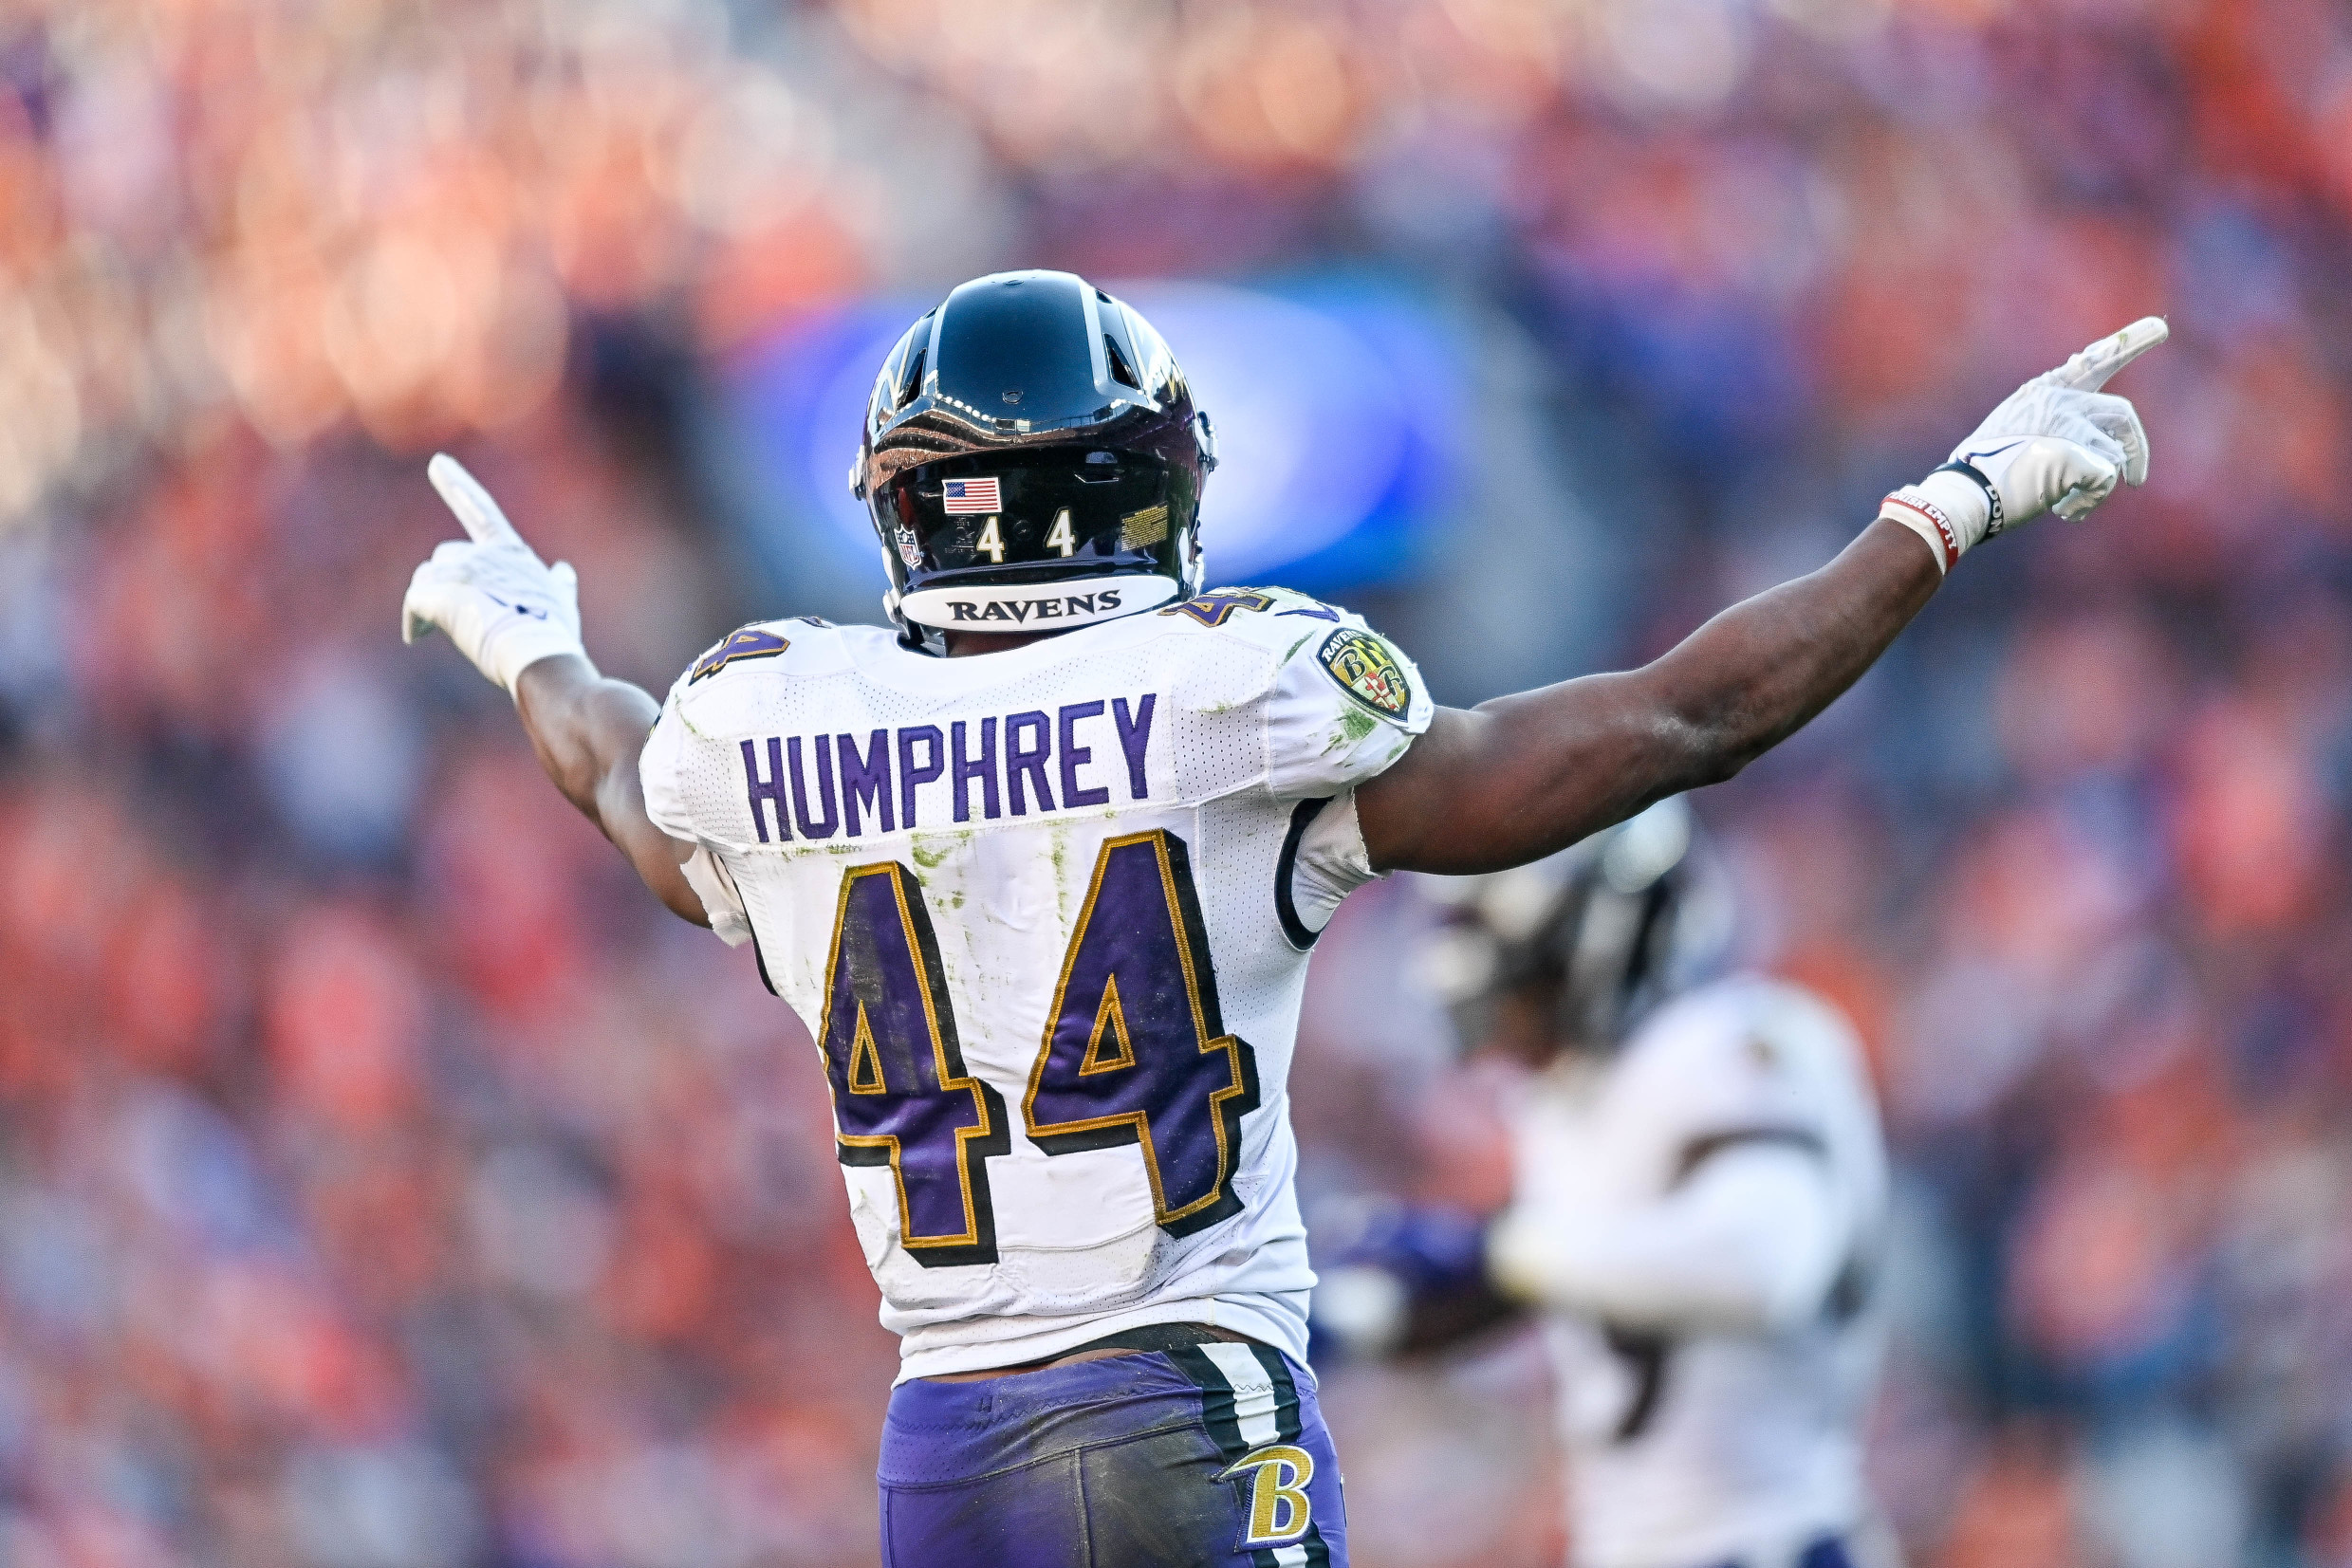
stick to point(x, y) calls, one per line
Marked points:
point(1032, 457)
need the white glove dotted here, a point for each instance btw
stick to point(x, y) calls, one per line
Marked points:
point(504, 607)
point(2057, 444)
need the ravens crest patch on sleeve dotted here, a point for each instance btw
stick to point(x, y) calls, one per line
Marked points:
point(1366, 671)
point(750, 642)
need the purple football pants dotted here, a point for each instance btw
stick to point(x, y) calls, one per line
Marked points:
point(1209, 1456)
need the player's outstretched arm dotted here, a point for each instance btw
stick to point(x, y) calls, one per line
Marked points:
point(1513, 780)
point(1520, 777)
point(518, 619)
point(589, 730)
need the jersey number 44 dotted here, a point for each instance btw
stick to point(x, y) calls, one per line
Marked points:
point(1135, 1051)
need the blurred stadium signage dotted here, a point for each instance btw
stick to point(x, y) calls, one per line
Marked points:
point(1337, 405)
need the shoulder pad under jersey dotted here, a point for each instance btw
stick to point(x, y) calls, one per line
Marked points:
point(801, 645)
point(1343, 701)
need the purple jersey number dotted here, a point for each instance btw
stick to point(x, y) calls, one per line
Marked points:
point(1135, 1050)
point(900, 1095)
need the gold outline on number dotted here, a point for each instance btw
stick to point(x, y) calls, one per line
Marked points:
point(1222, 602)
point(1111, 1019)
point(1141, 1120)
point(949, 1079)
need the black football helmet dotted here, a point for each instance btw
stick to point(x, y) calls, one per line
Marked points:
point(1586, 942)
point(1032, 458)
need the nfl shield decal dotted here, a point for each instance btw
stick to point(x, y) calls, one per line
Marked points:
point(1364, 667)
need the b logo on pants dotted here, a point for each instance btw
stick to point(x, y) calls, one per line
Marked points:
point(1279, 1508)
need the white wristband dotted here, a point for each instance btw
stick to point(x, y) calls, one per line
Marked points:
point(1947, 511)
point(516, 648)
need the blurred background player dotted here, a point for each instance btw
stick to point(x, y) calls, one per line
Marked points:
point(1697, 1213)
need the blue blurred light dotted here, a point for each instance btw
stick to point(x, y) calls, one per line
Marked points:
point(1337, 405)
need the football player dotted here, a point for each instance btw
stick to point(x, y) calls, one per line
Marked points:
point(1699, 1197)
point(1040, 864)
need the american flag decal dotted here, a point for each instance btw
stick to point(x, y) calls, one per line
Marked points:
point(973, 496)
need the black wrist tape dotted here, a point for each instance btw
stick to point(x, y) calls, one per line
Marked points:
point(1992, 497)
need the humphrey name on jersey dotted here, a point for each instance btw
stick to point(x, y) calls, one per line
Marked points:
point(991, 766)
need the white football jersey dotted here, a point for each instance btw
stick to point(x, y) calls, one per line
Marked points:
point(1046, 914)
point(1700, 1448)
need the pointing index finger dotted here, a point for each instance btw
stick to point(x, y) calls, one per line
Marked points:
point(484, 523)
point(2089, 370)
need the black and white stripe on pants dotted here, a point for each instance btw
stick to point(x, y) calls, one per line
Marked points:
point(1248, 1400)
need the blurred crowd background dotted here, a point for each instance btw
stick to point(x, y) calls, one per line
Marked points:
point(384, 1183)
